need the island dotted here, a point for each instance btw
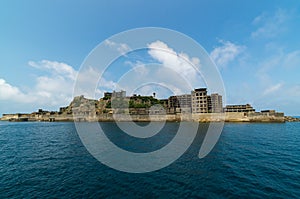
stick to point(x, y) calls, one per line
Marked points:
point(197, 106)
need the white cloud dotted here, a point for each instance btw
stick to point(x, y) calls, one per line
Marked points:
point(139, 67)
point(294, 92)
point(283, 62)
point(56, 68)
point(120, 47)
point(167, 70)
point(276, 76)
point(269, 25)
point(226, 53)
point(292, 60)
point(9, 92)
point(180, 63)
point(55, 88)
point(273, 89)
point(90, 85)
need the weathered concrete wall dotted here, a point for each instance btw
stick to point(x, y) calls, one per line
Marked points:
point(200, 117)
point(9, 116)
point(208, 117)
point(236, 117)
point(263, 118)
point(17, 116)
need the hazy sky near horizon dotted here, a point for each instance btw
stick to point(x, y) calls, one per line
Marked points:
point(255, 44)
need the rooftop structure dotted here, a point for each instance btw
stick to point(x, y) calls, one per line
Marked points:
point(239, 108)
point(120, 94)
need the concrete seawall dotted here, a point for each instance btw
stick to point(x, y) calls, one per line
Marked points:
point(201, 117)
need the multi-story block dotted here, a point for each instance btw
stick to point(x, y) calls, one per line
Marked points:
point(215, 103)
point(120, 94)
point(199, 100)
point(180, 103)
point(239, 108)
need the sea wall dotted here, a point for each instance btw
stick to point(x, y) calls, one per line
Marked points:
point(236, 117)
point(201, 117)
point(218, 117)
point(9, 116)
point(15, 117)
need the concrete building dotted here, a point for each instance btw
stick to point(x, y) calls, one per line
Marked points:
point(164, 102)
point(120, 94)
point(239, 108)
point(266, 113)
point(180, 103)
point(107, 95)
point(215, 103)
point(62, 109)
point(199, 100)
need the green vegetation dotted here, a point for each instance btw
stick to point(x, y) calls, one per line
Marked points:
point(142, 101)
point(119, 103)
point(106, 98)
point(108, 105)
point(133, 102)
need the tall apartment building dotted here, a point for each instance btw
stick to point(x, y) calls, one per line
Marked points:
point(199, 100)
point(215, 103)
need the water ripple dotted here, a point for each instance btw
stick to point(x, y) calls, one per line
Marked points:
point(250, 160)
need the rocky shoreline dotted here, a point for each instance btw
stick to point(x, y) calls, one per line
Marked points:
point(291, 119)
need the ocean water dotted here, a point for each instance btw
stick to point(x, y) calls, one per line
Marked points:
point(48, 160)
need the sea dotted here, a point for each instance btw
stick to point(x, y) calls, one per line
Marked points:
point(250, 160)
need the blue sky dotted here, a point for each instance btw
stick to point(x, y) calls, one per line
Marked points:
point(255, 45)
